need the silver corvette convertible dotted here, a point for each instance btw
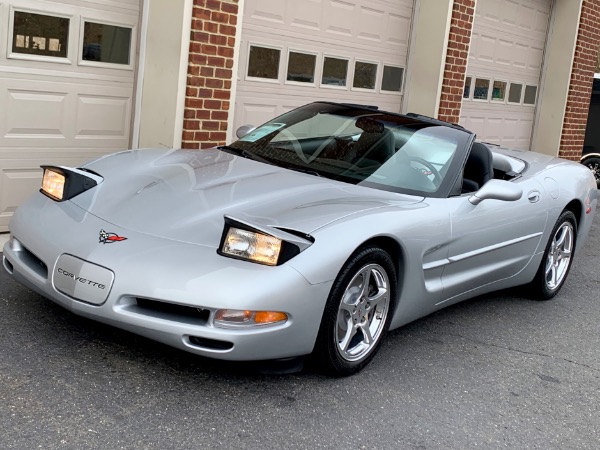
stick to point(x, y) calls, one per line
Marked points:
point(314, 234)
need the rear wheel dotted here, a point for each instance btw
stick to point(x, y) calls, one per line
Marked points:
point(358, 313)
point(557, 259)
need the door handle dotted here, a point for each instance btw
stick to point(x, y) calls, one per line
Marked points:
point(533, 196)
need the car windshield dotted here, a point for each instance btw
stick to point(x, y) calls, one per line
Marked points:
point(359, 146)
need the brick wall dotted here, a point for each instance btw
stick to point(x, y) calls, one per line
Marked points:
point(580, 89)
point(210, 73)
point(459, 40)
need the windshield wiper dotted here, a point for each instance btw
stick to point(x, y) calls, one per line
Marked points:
point(244, 153)
point(253, 156)
point(300, 169)
point(230, 149)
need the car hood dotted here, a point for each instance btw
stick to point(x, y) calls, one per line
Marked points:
point(185, 194)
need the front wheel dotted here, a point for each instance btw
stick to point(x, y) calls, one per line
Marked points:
point(557, 259)
point(358, 312)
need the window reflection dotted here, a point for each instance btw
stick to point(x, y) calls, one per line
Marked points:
point(530, 95)
point(514, 93)
point(482, 89)
point(106, 43)
point(263, 62)
point(301, 67)
point(38, 34)
point(392, 78)
point(467, 89)
point(499, 91)
point(335, 71)
point(364, 75)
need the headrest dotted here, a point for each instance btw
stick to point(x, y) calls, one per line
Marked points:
point(369, 125)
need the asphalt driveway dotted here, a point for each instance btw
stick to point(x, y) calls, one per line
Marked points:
point(500, 371)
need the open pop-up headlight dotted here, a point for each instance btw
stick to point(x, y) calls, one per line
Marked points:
point(263, 245)
point(64, 183)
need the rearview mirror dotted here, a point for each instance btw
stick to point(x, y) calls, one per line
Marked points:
point(244, 130)
point(497, 190)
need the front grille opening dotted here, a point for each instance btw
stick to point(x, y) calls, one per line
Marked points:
point(33, 262)
point(171, 311)
point(7, 265)
point(210, 344)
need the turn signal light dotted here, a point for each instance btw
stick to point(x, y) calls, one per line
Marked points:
point(263, 317)
point(233, 318)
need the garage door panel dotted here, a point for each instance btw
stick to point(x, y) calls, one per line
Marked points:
point(16, 185)
point(486, 48)
point(398, 29)
point(256, 113)
point(536, 56)
point(509, 130)
point(36, 114)
point(338, 18)
point(369, 26)
point(116, 110)
point(64, 112)
point(504, 51)
point(266, 10)
point(302, 14)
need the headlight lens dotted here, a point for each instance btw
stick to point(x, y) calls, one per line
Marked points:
point(53, 184)
point(251, 245)
point(229, 318)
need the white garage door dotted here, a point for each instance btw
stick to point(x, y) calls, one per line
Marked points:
point(503, 72)
point(66, 85)
point(298, 51)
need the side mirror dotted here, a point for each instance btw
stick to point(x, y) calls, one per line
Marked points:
point(244, 130)
point(497, 190)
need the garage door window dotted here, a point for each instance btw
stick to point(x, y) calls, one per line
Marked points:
point(365, 75)
point(106, 43)
point(38, 34)
point(530, 95)
point(482, 89)
point(263, 62)
point(392, 79)
point(499, 91)
point(514, 94)
point(467, 89)
point(335, 71)
point(301, 67)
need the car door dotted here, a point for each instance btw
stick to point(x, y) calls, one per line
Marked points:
point(493, 240)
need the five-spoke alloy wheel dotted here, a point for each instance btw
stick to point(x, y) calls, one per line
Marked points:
point(358, 312)
point(557, 259)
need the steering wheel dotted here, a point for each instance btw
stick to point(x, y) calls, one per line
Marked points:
point(294, 143)
point(437, 178)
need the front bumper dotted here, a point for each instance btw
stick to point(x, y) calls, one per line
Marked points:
point(166, 290)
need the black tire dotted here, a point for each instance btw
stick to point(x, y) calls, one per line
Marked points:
point(555, 266)
point(593, 163)
point(356, 312)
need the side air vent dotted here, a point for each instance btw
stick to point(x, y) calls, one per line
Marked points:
point(33, 262)
point(170, 311)
point(210, 344)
